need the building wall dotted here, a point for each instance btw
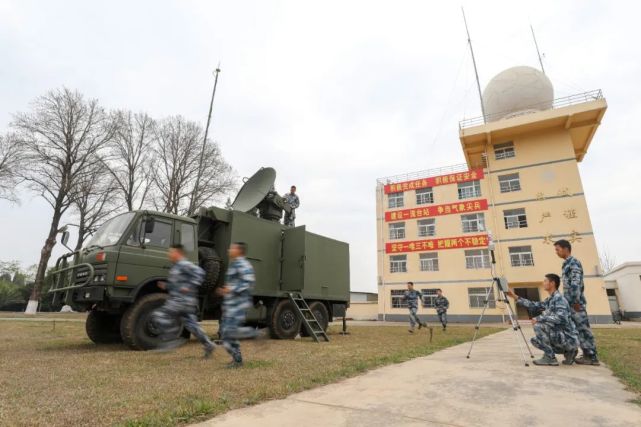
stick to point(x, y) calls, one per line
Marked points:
point(553, 198)
point(628, 283)
point(362, 311)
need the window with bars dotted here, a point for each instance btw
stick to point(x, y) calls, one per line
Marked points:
point(509, 183)
point(424, 195)
point(426, 227)
point(468, 190)
point(397, 298)
point(515, 218)
point(397, 230)
point(504, 151)
point(398, 264)
point(429, 261)
point(521, 256)
point(395, 200)
point(473, 223)
point(429, 296)
point(477, 297)
point(477, 258)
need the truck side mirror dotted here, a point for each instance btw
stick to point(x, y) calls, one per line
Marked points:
point(150, 223)
point(65, 238)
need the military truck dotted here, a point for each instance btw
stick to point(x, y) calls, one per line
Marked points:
point(115, 276)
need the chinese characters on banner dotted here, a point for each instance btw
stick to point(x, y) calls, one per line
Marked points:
point(437, 244)
point(433, 181)
point(436, 210)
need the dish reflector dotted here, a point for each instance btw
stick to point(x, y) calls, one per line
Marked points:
point(255, 190)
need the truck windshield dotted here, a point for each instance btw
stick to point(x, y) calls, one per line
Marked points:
point(111, 231)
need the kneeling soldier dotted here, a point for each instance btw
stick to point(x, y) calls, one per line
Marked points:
point(442, 304)
point(554, 329)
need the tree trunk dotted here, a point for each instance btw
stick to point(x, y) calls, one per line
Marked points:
point(81, 233)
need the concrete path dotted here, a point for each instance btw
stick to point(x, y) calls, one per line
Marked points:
point(492, 388)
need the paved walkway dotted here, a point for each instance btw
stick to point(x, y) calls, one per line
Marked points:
point(492, 388)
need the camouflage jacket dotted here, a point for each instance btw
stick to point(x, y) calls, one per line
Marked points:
point(441, 304)
point(185, 275)
point(292, 200)
point(412, 298)
point(572, 278)
point(554, 311)
point(240, 280)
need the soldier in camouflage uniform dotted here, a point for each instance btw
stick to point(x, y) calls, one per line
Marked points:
point(237, 299)
point(573, 288)
point(182, 305)
point(293, 201)
point(412, 298)
point(553, 326)
point(441, 304)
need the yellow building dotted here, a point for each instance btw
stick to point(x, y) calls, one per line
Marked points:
point(520, 185)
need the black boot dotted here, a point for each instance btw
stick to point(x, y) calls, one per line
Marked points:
point(588, 359)
point(569, 357)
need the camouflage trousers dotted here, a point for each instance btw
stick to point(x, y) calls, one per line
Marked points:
point(290, 219)
point(232, 329)
point(172, 315)
point(551, 340)
point(586, 339)
point(414, 320)
point(442, 317)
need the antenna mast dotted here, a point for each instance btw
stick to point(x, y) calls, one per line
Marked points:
point(476, 73)
point(537, 49)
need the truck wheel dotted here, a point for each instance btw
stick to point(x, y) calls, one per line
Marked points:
point(137, 328)
point(103, 328)
point(284, 321)
point(212, 264)
point(320, 313)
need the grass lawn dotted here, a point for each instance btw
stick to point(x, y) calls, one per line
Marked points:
point(58, 377)
point(620, 349)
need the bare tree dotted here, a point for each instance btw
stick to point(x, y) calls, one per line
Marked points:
point(176, 159)
point(129, 155)
point(607, 261)
point(61, 137)
point(11, 155)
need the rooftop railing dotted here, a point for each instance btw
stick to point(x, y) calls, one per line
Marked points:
point(445, 170)
point(579, 98)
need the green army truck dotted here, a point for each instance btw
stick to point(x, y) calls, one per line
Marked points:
point(115, 276)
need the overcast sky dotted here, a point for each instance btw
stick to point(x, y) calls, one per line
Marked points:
point(332, 94)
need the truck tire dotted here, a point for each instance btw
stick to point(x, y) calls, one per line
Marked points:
point(136, 328)
point(103, 328)
point(212, 264)
point(320, 313)
point(284, 321)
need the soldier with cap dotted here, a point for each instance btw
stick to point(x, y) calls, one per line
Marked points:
point(441, 304)
point(573, 291)
point(553, 326)
point(294, 202)
point(182, 305)
point(412, 297)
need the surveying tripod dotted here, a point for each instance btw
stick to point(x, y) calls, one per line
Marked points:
point(501, 284)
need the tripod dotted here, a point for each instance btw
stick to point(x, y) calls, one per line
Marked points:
point(521, 341)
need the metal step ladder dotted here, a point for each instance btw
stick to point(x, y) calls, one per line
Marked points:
point(314, 329)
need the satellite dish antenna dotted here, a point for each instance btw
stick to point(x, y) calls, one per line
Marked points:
point(255, 190)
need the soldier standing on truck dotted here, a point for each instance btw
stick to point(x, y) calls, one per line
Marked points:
point(293, 201)
point(182, 304)
point(237, 299)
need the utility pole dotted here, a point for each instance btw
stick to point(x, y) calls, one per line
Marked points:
point(476, 73)
point(194, 194)
point(537, 49)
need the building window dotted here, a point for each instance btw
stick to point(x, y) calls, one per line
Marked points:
point(477, 297)
point(398, 300)
point(509, 183)
point(473, 223)
point(429, 261)
point(521, 256)
point(397, 230)
point(424, 195)
point(398, 264)
point(515, 218)
point(429, 296)
point(467, 190)
point(504, 151)
point(395, 200)
point(477, 258)
point(426, 227)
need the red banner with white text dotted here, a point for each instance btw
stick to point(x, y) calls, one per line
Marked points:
point(460, 242)
point(433, 181)
point(437, 210)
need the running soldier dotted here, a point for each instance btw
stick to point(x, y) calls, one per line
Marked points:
point(237, 299)
point(412, 298)
point(442, 304)
point(182, 305)
point(573, 288)
point(293, 201)
point(553, 326)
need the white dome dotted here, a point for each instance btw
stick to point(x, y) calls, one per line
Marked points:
point(517, 91)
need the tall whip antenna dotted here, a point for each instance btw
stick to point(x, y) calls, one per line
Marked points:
point(476, 72)
point(537, 49)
